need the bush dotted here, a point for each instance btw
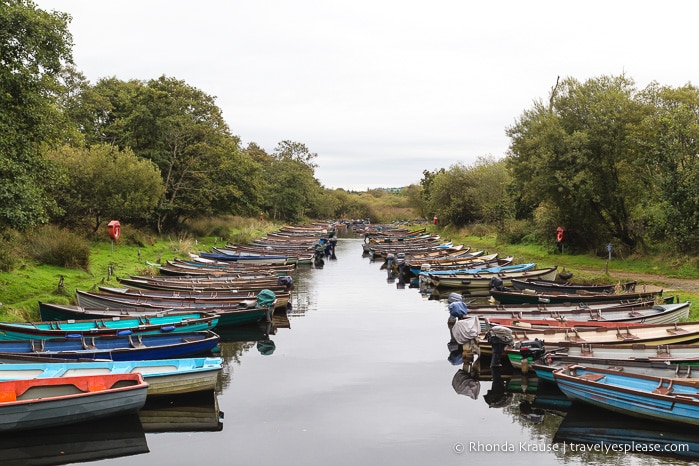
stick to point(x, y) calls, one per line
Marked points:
point(9, 251)
point(55, 246)
point(183, 245)
point(515, 231)
point(210, 227)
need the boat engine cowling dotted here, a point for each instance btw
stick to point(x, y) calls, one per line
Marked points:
point(534, 349)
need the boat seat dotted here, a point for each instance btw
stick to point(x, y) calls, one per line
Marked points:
point(591, 377)
point(38, 346)
point(136, 343)
point(661, 390)
point(89, 345)
point(626, 336)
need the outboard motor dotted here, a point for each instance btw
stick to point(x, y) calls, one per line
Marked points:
point(318, 253)
point(531, 350)
point(497, 284)
point(333, 243)
point(390, 264)
point(286, 281)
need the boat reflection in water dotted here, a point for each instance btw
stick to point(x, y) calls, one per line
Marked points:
point(593, 426)
point(197, 412)
point(86, 441)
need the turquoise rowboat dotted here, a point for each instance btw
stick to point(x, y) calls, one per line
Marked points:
point(111, 326)
point(164, 376)
point(657, 398)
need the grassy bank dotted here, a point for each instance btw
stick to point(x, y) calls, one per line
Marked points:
point(30, 283)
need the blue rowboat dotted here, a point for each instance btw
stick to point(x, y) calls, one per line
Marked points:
point(482, 270)
point(115, 326)
point(114, 348)
point(245, 258)
point(164, 376)
point(658, 398)
point(49, 402)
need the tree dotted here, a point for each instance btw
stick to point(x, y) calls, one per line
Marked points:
point(667, 144)
point(295, 192)
point(182, 131)
point(103, 183)
point(470, 194)
point(573, 155)
point(34, 46)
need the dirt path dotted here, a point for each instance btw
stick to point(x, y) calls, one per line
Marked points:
point(656, 282)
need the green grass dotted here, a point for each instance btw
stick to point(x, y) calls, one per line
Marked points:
point(30, 282)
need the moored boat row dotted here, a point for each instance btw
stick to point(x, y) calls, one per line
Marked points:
point(157, 334)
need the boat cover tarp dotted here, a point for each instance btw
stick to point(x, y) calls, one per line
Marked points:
point(466, 329)
point(266, 298)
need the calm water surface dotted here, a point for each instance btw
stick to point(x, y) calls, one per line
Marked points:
point(359, 375)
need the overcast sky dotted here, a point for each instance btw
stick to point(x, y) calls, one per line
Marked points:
point(381, 90)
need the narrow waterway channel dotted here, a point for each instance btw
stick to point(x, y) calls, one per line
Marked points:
point(359, 375)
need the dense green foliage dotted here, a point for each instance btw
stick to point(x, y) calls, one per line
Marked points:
point(34, 46)
point(610, 163)
point(104, 183)
point(156, 153)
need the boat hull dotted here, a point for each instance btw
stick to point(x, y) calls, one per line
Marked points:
point(635, 395)
point(53, 402)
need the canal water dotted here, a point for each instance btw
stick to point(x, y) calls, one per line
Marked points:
point(359, 373)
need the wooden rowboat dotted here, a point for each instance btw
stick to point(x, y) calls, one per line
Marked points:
point(227, 316)
point(552, 297)
point(118, 325)
point(164, 376)
point(36, 403)
point(657, 334)
point(656, 398)
point(115, 348)
point(483, 281)
point(567, 287)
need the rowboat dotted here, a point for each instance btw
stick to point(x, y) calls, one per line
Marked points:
point(552, 297)
point(482, 281)
point(164, 376)
point(210, 284)
point(482, 270)
point(600, 315)
point(675, 368)
point(246, 258)
point(643, 396)
point(654, 334)
point(53, 312)
point(672, 353)
point(173, 299)
point(118, 325)
point(544, 286)
point(48, 402)
point(227, 316)
point(115, 348)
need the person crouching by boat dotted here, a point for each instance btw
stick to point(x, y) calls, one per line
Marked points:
point(498, 336)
